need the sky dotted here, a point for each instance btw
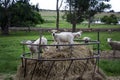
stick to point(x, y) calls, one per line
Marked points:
point(51, 4)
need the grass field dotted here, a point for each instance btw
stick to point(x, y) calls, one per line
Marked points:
point(110, 67)
point(10, 50)
point(50, 21)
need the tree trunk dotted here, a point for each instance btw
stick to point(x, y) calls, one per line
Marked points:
point(89, 23)
point(57, 20)
point(5, 22)
point(5, 30)
point(5, 25)
point(73, 27)
point(74, 21)
point(74, 24)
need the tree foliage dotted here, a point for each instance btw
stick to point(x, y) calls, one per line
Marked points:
point(77, 9)
point(23, 15)
point(18, 13)
point(95, 6)
point(112, 19)
point(84, 9)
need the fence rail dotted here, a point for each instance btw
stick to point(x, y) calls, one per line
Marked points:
point(61, 29)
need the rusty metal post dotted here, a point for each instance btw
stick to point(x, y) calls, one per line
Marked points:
point(34, 69)
point(84, 69)
point(23, 55)
point(94, 69)
point(50, 69)
point(67, 69)
point(25, 66)
point(98, 49)
point(39, 46)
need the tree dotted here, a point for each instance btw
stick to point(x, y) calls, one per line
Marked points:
point(4, 15)
point(112, 19)
point(96, 6)
point(57, 10)
point(81, 9)
point(77, 10)
point(24, 14)
point(17, 13)
point(111, 11)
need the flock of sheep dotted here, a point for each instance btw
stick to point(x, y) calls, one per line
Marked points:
point(59, 38)
point(62, 38)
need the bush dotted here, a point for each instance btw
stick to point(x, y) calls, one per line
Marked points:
point(112, 19)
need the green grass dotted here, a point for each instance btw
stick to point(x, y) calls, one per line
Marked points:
point(10, 49)
point(64, 24)
point(110, 67)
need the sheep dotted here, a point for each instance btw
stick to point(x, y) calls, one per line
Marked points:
point(86, 39)
point(64, 37)
point(29, 43)
point(115, 45)
point(33, 45)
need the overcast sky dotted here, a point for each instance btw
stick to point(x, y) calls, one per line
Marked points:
point(51, 4)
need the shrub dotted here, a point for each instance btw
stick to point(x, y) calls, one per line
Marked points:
point(112, 19)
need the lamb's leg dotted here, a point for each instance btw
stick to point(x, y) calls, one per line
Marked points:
point(71, 42)
point(114, 52)
point(58, 47)
point(32, 51)
point(32, 55)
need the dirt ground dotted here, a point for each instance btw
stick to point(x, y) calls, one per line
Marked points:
point(109, 54)
point(104, 54)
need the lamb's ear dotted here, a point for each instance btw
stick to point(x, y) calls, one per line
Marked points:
point(80, 32)
point(77, 35)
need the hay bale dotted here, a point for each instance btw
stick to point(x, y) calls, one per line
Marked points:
point(78, 70)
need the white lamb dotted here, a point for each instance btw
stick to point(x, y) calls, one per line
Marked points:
point(64, 37)
point(34, 48)
point(115, 45)
point(86, 39)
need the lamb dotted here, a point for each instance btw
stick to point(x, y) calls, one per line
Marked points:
point(64, 37)
point(34, 48)
point(115, 45)
point(86, 39)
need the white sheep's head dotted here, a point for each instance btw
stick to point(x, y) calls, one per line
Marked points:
point(78, 34)
point(109, 39)
point(28, 42)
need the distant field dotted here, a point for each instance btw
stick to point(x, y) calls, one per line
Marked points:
point(100, 15)
point(50, 21)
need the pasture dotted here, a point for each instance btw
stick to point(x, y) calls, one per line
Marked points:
point(10, 50)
